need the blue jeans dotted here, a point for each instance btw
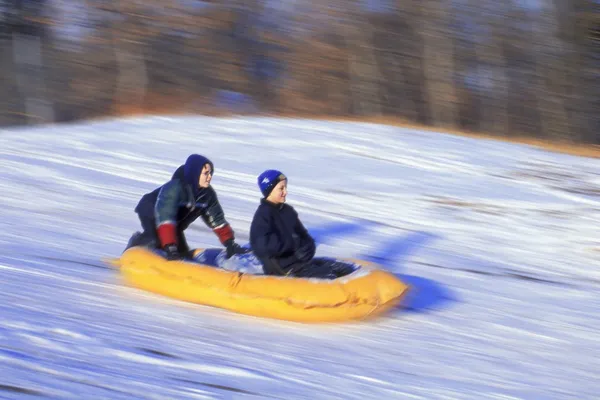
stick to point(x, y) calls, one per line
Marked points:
point(149, 238)
point(324, 268)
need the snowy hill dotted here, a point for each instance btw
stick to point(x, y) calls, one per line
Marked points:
point(500, 242)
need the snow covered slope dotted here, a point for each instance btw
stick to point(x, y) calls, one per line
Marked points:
point(500, 242)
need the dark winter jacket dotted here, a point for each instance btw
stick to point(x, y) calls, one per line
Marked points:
point(180, 202)
point(279, 239)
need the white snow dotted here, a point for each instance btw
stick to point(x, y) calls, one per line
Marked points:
point(500, 241)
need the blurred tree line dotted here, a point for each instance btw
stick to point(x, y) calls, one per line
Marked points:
point(527, 68)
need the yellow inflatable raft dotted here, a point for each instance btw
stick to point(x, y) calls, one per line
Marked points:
point(366, 292)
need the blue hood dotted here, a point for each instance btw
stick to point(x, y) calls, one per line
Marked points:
point(193, 167)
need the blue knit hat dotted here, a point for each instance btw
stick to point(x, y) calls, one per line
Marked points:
point(268, 180)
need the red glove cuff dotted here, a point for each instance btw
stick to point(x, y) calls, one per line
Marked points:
point(167, 234)
point(224, 233)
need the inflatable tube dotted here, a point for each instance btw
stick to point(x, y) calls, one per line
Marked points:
point(366, 292)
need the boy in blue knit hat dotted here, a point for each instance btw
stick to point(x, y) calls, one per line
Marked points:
point(277, 237)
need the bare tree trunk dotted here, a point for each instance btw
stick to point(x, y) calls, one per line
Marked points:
point(405, 102)
point(11, 108)
point(363, 69)
point(27, 55)
point(438, 55)
point(493, 95)
point(582, 100)
point(550, 72)
point(397, 47)
point(132, 78)
point(501, 125)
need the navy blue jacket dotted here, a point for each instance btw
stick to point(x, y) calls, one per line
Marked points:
point(180, 202)
point(279, 239)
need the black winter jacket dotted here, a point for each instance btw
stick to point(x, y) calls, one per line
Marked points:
point(279, 239)
point(176, 202)
point(180, 203)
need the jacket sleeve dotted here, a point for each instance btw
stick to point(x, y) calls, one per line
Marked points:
point(307, 248)
point(301, 230)
point(214, 217)
point(265, 243)
point(165, 212)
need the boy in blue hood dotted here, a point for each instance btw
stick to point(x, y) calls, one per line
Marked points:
point(166, 212)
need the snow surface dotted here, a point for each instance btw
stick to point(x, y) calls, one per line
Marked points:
point(500, 242)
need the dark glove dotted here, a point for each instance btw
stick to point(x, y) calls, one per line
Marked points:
point(306, 252)
point(172, 252)
point(271, 267)
point(234, 248)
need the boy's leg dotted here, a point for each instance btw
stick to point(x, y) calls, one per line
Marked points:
point(272, 267)
point(341, 268)
point(182, 246)
point(146, 238)
point(313, 270)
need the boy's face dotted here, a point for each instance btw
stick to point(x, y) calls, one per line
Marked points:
point(279, 192)
point(205, 176)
